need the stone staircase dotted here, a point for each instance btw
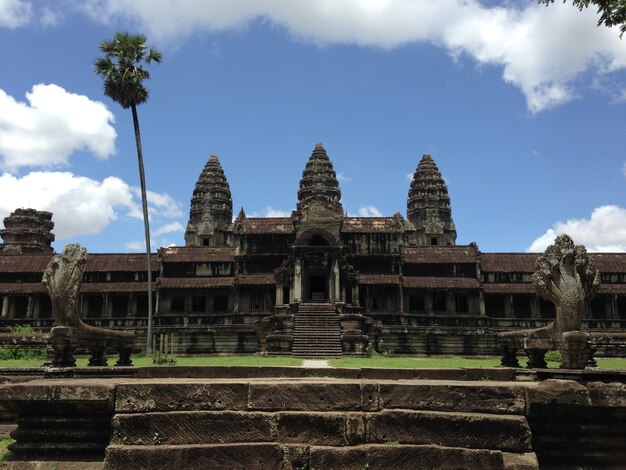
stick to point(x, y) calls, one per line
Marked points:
point(317, 331)
point(320, 423)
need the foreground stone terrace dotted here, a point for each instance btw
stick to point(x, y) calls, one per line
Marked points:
point(258, 418)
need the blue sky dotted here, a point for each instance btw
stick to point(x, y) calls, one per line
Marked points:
point(522, 107)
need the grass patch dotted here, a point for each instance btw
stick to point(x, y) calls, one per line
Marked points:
point(142, 360)
point(416, 362)
point(4, 452)
point(436, 362)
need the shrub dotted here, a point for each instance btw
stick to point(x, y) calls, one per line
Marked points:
point(554, 356)
point(8, 354)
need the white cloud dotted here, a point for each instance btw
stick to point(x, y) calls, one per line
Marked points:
point(14, 13)
point(409, 176)
point(169, 228)
point(604, 231)
point(51, 126)
point(81, 205)
point(342, 177)
point(160, 205)
point(271, 212)
point(542, 51)
point(136, 246)
point(624, 169)
point(367, 211)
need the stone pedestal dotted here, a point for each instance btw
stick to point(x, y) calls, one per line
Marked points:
point(574, 349)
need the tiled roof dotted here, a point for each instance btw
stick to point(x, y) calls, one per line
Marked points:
point(22, 288)
point(91, 287)
point(379, 279)
point(371, 225)
point(509, 262)
point(609, 262)
point(439, 254)
point(256, 279)
point(417, 282)
point(24, 263)
point(195, 282)
point(612, 289)
point(109, 262)
point(197, 254)
point(509, 288)
point(266, 225)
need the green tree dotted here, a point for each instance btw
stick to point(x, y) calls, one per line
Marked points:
point(123, 75)
point(612, 12)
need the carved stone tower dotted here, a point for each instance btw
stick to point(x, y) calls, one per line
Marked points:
point(317, 222)
point(319, 195)
point(428, 206)
point(211, 213)
point(27, 231)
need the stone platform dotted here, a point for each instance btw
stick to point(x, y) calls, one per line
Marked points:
point(391, 419)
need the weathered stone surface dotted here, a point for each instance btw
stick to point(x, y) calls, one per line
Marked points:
point(312, 428)
point(45, 395)
point(556, 391)
point(482, 397)
point(521, 461)
point(164, 396)
point(304, 396)
point(432, 457)
point(370, 396)
point(199, 427)
point(345, 458)
point(295, 457)
point(195, 457)
point(476, 431)
point(607, 394)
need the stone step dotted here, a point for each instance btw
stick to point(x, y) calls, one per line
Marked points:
point(320, 395)
point(406, 427)
point(271, 455)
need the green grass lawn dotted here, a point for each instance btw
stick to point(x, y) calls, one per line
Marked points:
point(141, 360)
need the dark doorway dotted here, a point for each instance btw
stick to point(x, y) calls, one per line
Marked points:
point(318, 287)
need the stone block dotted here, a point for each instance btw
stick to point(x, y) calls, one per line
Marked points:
point(199, 457)
point(476, 431)
point(607, 394)
point(171, 396)
point(442, 458)
point(483, 397)
point(330, 396)
point(344, 458)
point(199, 427)
point(370, 396)
point(557, 391)
point(326, 429)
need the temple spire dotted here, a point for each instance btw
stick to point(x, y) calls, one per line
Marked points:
point(211, 212)
point(319, 185)
point(428, 205)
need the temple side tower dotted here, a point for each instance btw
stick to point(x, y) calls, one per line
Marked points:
point(27, 231)
point(211, 213)
point(428, 206)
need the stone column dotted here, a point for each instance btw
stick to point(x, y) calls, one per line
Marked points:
point(105, 307)
point(401, 303)
point(5, 306)
point(428, 303)
point(481, 303)
point(297, 281)
point(355, 295)
point(534, 307)
point(508, 306)
point(29, 307)
point(450, 310)
point(279, 293)
point(367, 299)
point(612, 311)
point(336, 279)
point(132, 306)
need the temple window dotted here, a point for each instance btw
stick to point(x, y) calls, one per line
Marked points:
point(177, 303)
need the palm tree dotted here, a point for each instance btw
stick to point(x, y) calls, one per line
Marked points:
point(123, 74)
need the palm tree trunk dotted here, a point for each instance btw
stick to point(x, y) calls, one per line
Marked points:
point(146, 224)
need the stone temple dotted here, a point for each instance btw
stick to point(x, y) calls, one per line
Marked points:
point(317, 283)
